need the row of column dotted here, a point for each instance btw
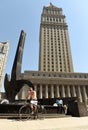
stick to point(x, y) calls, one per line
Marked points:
point(45, 91)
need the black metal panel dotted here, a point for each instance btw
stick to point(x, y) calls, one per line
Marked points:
point(12, 86)
point(16, 69)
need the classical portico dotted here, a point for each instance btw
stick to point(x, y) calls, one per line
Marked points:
point(54, 85)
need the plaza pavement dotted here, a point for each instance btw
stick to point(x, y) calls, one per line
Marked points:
point(66, 123)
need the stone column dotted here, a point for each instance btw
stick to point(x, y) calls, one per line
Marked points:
point(52, 92)
point(84, 94)
point(57, 91)
point(35, 88)
point(40, 91)
point(46, 91)
point(73, 91)
point(79, 94)
point(16, 97)
point(23, 93)
point(62, 91)
point(68, 91)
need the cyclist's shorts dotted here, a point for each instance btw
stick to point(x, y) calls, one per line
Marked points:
point(35, 102)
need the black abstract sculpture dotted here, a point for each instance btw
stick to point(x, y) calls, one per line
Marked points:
point(13, 86)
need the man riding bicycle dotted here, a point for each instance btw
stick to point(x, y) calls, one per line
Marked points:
point(33, 102)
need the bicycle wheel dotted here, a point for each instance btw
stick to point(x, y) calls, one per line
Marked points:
point(41, 112)
point(24, 112)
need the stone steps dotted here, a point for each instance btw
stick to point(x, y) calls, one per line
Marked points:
point(54, 115)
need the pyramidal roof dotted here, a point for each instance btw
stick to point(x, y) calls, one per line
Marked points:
point(51, 6)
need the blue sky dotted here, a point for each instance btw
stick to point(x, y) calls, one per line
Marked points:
point(25, 14)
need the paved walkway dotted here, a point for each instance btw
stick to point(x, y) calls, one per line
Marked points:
point(68, 123)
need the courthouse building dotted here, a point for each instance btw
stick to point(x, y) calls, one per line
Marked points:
point(56, 77)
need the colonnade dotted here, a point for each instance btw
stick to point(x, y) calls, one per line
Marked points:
point(54, 91)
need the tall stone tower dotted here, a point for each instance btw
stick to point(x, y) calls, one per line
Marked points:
point(53, 79)
point(55, 52)
point(4, 47)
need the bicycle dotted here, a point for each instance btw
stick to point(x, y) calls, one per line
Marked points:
point(25, 112)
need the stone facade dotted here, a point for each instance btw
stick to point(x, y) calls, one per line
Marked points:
point(4, 47)
point(56, 78)
point(55, 51)
point(58, 85)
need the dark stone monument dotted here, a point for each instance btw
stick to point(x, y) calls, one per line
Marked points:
point(12, 86)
